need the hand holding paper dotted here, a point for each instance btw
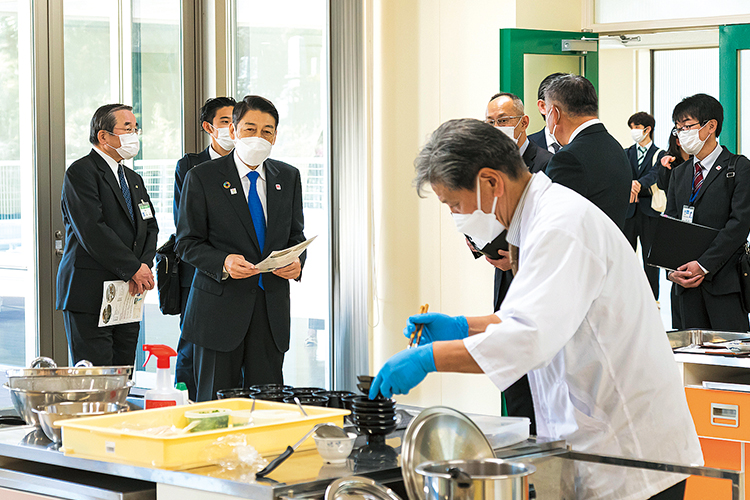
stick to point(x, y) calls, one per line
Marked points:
point(282, 258)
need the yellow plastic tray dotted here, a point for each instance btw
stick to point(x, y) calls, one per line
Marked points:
point(123, 438)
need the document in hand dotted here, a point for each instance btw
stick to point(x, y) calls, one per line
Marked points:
point(677, 242)
point(282, 258)
point(118, 306)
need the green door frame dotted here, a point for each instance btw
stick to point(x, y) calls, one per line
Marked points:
point(732, 39)
point(515, 42)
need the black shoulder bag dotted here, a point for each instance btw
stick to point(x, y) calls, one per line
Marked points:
point(168, 277)
point(743, 265)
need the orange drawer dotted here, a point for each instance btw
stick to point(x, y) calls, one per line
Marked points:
point(720, 414)
point(721, 455)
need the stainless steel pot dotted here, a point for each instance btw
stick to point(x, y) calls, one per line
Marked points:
point(485, 479)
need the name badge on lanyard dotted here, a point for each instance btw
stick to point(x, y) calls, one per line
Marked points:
point(687, 213)
point(145, 210)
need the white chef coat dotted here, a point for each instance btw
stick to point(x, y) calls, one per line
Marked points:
point(580, 318)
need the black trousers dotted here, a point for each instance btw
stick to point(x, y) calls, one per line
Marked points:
point(256, 360)
point(676, 492)
point(183, 371)
point(519, 403)
point(106, 346)
point(702, 310)
point(644, 227)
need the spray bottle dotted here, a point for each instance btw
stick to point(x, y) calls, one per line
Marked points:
point(164, 394)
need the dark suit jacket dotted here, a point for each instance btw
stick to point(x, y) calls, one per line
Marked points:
point(101, 243)
point(595, 166)
point(536, 160)
point(722, 203)
point(540, 139)
point(184, 165)
point(647, 174)
point(214, 223)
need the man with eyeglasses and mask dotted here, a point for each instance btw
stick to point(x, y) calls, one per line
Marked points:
point(110, 234)
point(215, 118)
point(505, 112)
point(591, 161)
point(703, 191)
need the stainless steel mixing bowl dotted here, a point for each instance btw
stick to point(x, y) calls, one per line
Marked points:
point(44, 375)
point(26, 401)
point(50, 416)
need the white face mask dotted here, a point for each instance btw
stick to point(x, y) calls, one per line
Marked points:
point(690, 141)
point(129, 146)
point(510, 131)
point(481, 227)
point(253, 150)
point(638, 134)
point(552, 131)
point(223, 139)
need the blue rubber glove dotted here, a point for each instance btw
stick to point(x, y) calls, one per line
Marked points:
point(437, 327)
point(403, 372)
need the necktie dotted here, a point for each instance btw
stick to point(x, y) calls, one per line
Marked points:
point(125, 191)
point(513, 251)
point(641, 155)
point(698, 177)
point(256, 212)
point(556, 147)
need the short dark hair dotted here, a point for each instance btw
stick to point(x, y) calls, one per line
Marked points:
point(574, 94)
point(459, 149)
point(545, 83)
point(702, 107)
point(517, 102)
point(257, 103)
point(645, 119)
point(212, 105)
point(104, 119)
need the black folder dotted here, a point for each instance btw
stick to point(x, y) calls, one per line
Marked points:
point(678, 242)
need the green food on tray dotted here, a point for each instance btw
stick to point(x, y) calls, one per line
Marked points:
point(209, 419)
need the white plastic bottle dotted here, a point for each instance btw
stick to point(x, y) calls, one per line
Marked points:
point(164, 394)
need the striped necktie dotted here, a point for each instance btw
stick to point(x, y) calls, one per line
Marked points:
point(641, 154)
point(697, 177)
point(125, 191)
point(256, 212)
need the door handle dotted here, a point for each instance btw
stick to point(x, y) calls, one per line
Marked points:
point(58, 243)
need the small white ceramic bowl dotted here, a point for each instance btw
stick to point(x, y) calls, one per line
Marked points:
point(738, 346)
point(335, 450)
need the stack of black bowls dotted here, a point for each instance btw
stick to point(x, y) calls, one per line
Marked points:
point(336, 399)
point(273, 392)
point(238, 392)
point(375, 418)
point(305, 396)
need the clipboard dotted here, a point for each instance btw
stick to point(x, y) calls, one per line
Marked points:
point(677, 242)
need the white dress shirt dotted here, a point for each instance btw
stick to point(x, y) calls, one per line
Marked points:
point(112, 164)
point(243, 170)
point(212, 154)
point(524, 147)
point(581, 320)
point(708, 162)
point(550, 140)
point(582, 127)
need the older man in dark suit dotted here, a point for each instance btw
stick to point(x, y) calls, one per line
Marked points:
point(234, 212)
point(110, 234)
point(591, 161)
point(215, 119)
point(703, 191)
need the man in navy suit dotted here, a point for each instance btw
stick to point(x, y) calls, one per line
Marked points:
point(234, 212)
point(703, 191)
point(591, 161)
point(543, 139)
point(644, 158)
point(110, 234)
point(215, 119)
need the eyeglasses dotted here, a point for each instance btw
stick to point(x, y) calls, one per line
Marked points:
point(677, 130)
point(128, 130)
point(503, 121)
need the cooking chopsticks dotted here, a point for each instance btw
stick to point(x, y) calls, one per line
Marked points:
point(418, 332)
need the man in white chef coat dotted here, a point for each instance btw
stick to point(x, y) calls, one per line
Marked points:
point(579, 318)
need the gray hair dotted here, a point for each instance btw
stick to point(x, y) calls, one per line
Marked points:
point(459, 149)
point(104, 119)
point(574, 94)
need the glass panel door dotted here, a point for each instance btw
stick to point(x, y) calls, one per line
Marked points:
point(18, 275)
point(734, 44)
point(281, 54)
point(535, 68)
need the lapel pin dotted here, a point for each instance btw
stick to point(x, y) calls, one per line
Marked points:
point(233, 191)
point(718, 167)
point(227, 185)
point(278, 187)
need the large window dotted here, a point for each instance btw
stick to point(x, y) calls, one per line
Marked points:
point(617, 11)
point(280, 53)
point(18, 277)
point(131, 56)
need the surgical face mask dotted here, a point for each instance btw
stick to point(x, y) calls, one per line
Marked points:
point(552, 131)
point(252, 150)
point(690, 140)
point(510, 131)
point(129, 146)
point(223, 139)
point(638, 134)
point(481, 227)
